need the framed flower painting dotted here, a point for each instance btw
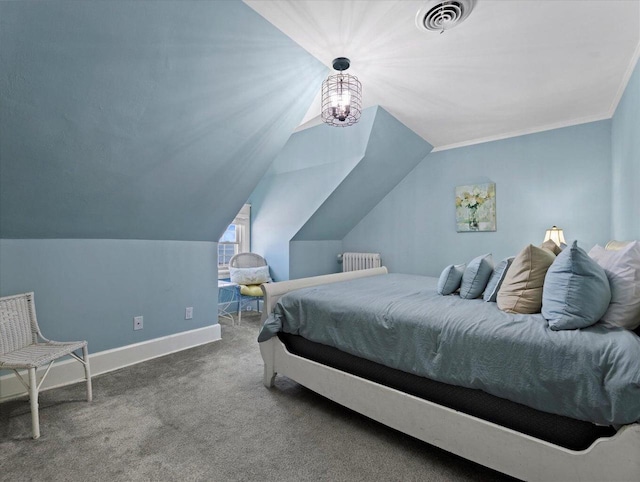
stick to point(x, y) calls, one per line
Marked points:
point(476, 207)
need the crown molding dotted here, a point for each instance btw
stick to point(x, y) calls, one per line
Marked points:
point(625, 80)
point(523, 132)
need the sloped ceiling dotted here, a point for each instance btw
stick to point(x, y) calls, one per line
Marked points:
point(305, 173)
point(391, 153)
point(326, 180)
point(141, 120)
point(512, 67)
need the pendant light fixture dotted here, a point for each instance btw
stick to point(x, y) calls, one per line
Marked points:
point(341, 96)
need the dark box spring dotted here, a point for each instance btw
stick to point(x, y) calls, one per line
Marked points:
point(564, 431)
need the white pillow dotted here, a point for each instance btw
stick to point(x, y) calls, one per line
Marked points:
point(623, 270)
point(250, 276)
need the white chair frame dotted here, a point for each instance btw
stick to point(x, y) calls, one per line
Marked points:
point(23, 347)
point(247, 260)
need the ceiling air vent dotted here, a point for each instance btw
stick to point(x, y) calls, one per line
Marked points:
point(439, 15)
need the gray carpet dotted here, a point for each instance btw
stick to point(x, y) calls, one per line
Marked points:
point(203, 414)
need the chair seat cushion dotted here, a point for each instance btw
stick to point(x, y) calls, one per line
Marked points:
point(33, 356)
point(250, 290)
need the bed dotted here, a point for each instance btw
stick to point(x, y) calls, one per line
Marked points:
point(390, 390)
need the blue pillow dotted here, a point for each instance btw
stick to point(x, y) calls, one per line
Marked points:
point(476, 276)
point(576, 291)
point(499, 272)
point(450, 279)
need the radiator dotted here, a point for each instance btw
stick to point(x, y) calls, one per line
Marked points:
point(356, 261)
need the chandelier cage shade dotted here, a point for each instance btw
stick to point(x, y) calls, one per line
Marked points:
point(556, 235)
point(341, 97)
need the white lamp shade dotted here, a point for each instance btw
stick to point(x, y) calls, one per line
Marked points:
point(556, 235)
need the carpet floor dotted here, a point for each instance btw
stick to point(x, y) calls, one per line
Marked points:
point(203, 415)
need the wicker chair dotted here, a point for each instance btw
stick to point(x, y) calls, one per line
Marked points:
point(22, 346)
point(248, 292)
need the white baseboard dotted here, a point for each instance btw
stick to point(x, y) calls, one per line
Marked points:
point(70, 371)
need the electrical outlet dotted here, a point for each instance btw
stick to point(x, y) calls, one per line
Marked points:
point(137, 322)
point(188, 313)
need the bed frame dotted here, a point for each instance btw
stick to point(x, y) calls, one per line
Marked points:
point(612, 459)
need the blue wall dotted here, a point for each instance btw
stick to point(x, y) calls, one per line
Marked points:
point(560, 177)
point(625, 153)
point(90, 289)
point(392, 151)
point(127, 121)
point(322, 184)
point(310, 167)
point(313, 258)
point(141, 120)
point(124, 122)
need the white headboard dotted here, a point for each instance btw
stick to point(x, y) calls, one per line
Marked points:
point(616, 245)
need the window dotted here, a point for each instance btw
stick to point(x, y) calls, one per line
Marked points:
point(234, 240)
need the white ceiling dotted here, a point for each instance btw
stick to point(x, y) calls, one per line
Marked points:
point(512, 67)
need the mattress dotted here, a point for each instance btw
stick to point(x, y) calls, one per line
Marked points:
point(399, 321)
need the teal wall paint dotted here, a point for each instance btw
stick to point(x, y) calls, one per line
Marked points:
point(322, 184)
point(560, 177)
point(91, 289)
point(309, 168)
point(392, 151)
point(313, 258)
point(625, 153)
point(141, 120)
point(125, 121)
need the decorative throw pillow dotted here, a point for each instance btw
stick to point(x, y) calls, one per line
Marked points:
point(250, 276)
point(576, 291)
point(623, 271)
point(521, 290)
point(450, 279)
point(551, 246)
point(499, 273)
point(475, 276)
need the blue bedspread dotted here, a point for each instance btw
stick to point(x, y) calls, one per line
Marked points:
point(400, 321)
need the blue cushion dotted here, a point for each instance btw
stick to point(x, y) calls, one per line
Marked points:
point(476, 276)
point(450, 279)
point(499, 272)
point(576, 291)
